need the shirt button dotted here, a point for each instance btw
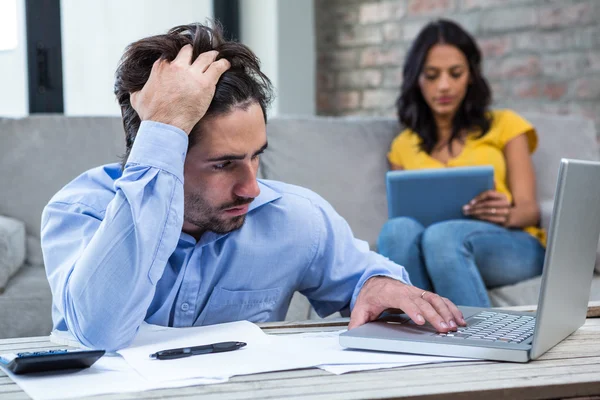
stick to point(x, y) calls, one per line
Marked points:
point(185, 307)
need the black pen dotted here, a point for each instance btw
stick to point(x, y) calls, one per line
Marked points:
point(195, 350)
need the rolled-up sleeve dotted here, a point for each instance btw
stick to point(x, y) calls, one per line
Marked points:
point(103, 265)
point(341, 264)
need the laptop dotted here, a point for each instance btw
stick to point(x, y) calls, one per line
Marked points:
point(434, 195)
point(495, 334)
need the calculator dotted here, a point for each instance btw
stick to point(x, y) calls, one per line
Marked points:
point(49, 360)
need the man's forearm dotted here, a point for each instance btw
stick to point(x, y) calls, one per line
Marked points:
point(103, 269)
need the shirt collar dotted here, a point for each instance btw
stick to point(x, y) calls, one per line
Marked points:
point(267, 195)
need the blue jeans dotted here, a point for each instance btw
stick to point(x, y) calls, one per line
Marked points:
point(460, 259)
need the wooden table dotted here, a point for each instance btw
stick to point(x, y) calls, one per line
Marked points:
point(569, 370)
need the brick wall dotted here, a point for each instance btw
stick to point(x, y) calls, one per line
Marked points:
point(539, 55)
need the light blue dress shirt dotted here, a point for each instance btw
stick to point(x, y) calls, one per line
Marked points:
point(115, 254)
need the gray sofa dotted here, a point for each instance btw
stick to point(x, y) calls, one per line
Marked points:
point(343, 159)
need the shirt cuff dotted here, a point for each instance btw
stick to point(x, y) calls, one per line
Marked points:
point(161, 146)
point(383, 273)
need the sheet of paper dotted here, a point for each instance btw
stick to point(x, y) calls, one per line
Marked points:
point(323, 348)
point(135, 371)
point(110, 374)
point(345, 368)
point(262, 354)
point(257, 356)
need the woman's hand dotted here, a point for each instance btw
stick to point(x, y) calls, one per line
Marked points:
point(491, 206)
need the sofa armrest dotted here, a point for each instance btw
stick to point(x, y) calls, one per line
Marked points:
point(546, 216)
point(12, 248)
point(546, 207)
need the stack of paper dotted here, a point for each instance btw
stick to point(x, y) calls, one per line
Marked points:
point(133, 370)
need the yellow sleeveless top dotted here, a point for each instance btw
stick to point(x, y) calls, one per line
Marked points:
point(487, 150)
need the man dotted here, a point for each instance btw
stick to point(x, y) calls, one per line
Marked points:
point(183, 233)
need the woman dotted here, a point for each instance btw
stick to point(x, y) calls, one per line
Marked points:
point(444, 103)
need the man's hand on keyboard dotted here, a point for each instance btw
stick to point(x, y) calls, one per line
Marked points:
point(380, 293)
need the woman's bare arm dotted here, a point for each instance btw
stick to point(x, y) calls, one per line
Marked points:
point(521, 182)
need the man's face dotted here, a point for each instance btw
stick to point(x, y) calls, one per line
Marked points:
point(220, 171)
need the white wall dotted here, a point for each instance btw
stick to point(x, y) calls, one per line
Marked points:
point(95, 34)
point(14, 98)
point(297, 57)
point(281, 33)
point(258, 30)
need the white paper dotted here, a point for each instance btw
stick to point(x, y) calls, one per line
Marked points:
point(323, 348)
point(259, 355)
point(263, 353)
point(110, 374)
point(345, 368)
point(135, 371)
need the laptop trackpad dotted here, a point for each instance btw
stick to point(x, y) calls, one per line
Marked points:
point(403, 323)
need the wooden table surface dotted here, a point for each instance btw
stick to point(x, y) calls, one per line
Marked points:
point(569, 370)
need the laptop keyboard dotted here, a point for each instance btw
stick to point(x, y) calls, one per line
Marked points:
point(491, 326)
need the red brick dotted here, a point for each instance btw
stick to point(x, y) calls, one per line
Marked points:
point(569, 39)
point(390, 112)
point(347, 15)
point(359, 79)
point(392, 78)
point(340, 59)
point(378, 12)
point(410, 30)
point(526, 90)
point(590, 111)
point(430, 7)
point(392, 32)
point(354, 36)
point(357, 113)
point(374, 57)
point(566, 15)
point(562, 64)
point(327, 39)
point(498, 91)
point(347, 100)
point(324, 103)
point(555, 108)
point(555, 90)
point(593, 61)
point(515, 67)
point(508, 19)
point(380, 99)
point(588, 88)
point(495, 47)
point(471, 4)
point(325, 80)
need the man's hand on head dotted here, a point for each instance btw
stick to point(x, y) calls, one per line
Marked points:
point(178, 93)
point(380, 293)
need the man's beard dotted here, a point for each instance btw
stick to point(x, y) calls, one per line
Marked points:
point(208, 218)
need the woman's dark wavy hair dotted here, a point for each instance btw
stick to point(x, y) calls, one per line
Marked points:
point(413, 111)
point(241, 85)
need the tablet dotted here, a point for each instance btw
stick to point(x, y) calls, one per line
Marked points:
point(434, 195)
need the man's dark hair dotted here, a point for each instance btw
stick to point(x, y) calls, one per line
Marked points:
point(413, 111)
point(240, 86)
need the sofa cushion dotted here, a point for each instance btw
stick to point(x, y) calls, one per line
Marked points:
point(26, 305)
point(12, 248)
point(527, 292)
point(42, 153)
point(34, 251)
point(341, 159)
point(560, 136)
